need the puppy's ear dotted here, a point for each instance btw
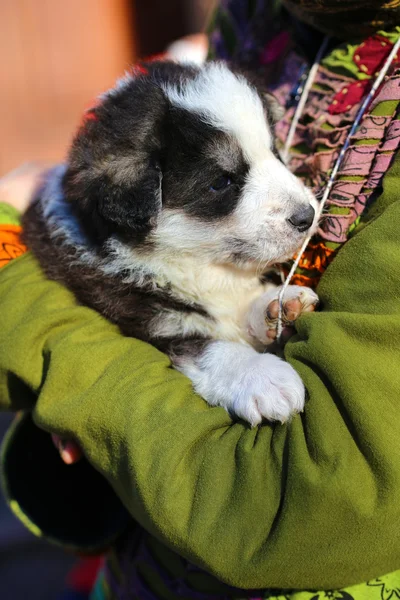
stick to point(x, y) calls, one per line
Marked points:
point(114, 177)
point(129, 206)
point(275, 111)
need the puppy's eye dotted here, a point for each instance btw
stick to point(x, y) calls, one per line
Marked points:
point(221, 183)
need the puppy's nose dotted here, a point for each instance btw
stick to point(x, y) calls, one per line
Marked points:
point(303, 218)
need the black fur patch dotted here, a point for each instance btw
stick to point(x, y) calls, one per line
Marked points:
point(196, 155)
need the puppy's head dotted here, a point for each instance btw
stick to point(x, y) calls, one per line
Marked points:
point(181, 160)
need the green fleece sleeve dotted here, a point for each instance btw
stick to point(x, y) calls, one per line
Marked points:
point(313, 504)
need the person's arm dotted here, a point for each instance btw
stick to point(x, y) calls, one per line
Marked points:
point(312, 504)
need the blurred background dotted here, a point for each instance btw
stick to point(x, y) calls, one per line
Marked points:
point(55, 58)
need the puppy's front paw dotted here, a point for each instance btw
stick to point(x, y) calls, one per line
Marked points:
point(269, 389)
point(262, 319)
point(247, 384)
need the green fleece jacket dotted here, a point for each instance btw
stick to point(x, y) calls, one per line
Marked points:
point(311, 504)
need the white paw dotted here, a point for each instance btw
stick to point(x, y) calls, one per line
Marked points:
point(249, 385)
point(262, 318)
point(269, 389)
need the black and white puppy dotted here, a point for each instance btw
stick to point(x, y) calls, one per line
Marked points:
point(172, 204)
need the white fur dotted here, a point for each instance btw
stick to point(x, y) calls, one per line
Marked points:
point(227, 101)
point(270, 197)
point(253, 386)
point(224, 290)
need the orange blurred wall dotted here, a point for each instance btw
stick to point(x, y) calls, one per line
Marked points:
point(55, 57)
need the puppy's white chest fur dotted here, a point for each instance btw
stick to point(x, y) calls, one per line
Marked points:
point(223, 291)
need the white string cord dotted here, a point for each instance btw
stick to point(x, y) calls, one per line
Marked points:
point(303, 99)
point(334, 172)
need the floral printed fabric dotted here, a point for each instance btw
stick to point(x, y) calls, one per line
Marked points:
point(10, 230)
point(10, 243)
point(342, 81)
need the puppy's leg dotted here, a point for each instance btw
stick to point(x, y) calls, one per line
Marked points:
point(250, 385)
point(262, 317)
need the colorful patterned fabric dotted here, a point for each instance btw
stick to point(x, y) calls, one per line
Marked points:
point(331, 108)
point(10, 243)
point(10, 230)
point(341, 83)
